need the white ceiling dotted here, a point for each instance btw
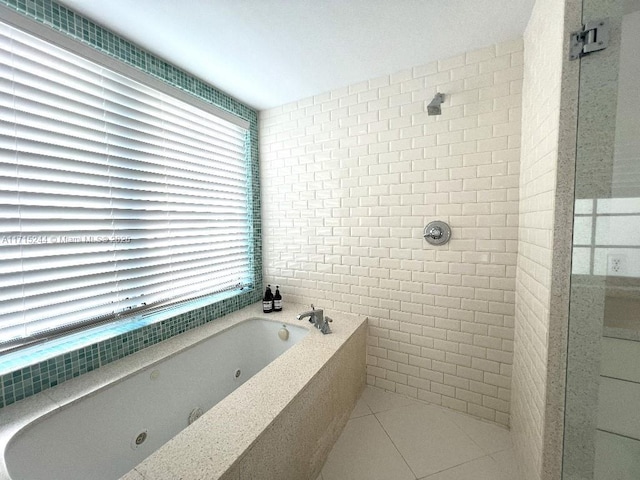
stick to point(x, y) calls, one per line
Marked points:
point(270, 52)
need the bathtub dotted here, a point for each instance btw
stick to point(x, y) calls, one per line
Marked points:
point(231, 399)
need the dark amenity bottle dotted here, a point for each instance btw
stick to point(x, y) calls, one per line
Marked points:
point(277, 300)
point(267, 301)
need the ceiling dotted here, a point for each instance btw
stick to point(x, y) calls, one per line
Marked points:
point(270, 52)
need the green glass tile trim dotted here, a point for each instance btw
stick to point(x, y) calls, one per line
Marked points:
point(33, 379)
point(70, 23)
point(30, 380)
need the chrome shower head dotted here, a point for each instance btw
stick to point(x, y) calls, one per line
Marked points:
point(434, 107)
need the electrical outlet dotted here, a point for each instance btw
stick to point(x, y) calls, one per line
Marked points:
point(616, 264)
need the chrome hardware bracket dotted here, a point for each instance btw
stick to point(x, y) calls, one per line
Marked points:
point(593, 37)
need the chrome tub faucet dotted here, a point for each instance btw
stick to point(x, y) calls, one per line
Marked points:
point(317, 318)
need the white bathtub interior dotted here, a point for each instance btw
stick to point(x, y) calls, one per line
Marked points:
point(95, 437)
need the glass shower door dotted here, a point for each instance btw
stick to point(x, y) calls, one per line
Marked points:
point(602, 415)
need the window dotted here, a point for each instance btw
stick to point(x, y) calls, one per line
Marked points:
point(114, 196)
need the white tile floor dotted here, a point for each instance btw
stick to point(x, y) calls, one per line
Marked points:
point(393, 437)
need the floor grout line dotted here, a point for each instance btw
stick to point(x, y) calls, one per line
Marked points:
point(455, 466)
point(393, 443)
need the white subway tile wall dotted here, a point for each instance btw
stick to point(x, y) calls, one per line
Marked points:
point(540, 127)
point(349, 180)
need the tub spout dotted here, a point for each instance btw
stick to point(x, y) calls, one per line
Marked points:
point(314, 315)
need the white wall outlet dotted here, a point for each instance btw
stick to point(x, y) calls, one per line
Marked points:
point(616, 264)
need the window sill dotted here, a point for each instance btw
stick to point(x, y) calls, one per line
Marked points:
point(49, 349)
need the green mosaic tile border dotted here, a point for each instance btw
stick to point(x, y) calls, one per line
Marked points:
point(33, 379)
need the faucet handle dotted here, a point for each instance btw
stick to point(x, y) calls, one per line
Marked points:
point(312, 307)
point(325, 328)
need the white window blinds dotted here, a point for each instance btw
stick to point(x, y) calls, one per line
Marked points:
point(113, 196)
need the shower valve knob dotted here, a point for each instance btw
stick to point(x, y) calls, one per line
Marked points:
point(437, 233)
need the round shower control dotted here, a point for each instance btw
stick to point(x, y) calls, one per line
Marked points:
point(437, 233)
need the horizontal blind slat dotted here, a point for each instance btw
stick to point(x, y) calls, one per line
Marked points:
point(112, 195)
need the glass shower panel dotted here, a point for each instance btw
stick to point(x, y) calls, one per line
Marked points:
point(602, 415)
point(617, 256)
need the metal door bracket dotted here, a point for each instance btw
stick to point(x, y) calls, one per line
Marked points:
point(593, 37)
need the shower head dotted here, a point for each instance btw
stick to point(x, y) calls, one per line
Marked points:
point(434, 107)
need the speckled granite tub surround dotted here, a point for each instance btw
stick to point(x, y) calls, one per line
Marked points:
point(282, 422)
point(286, 427)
